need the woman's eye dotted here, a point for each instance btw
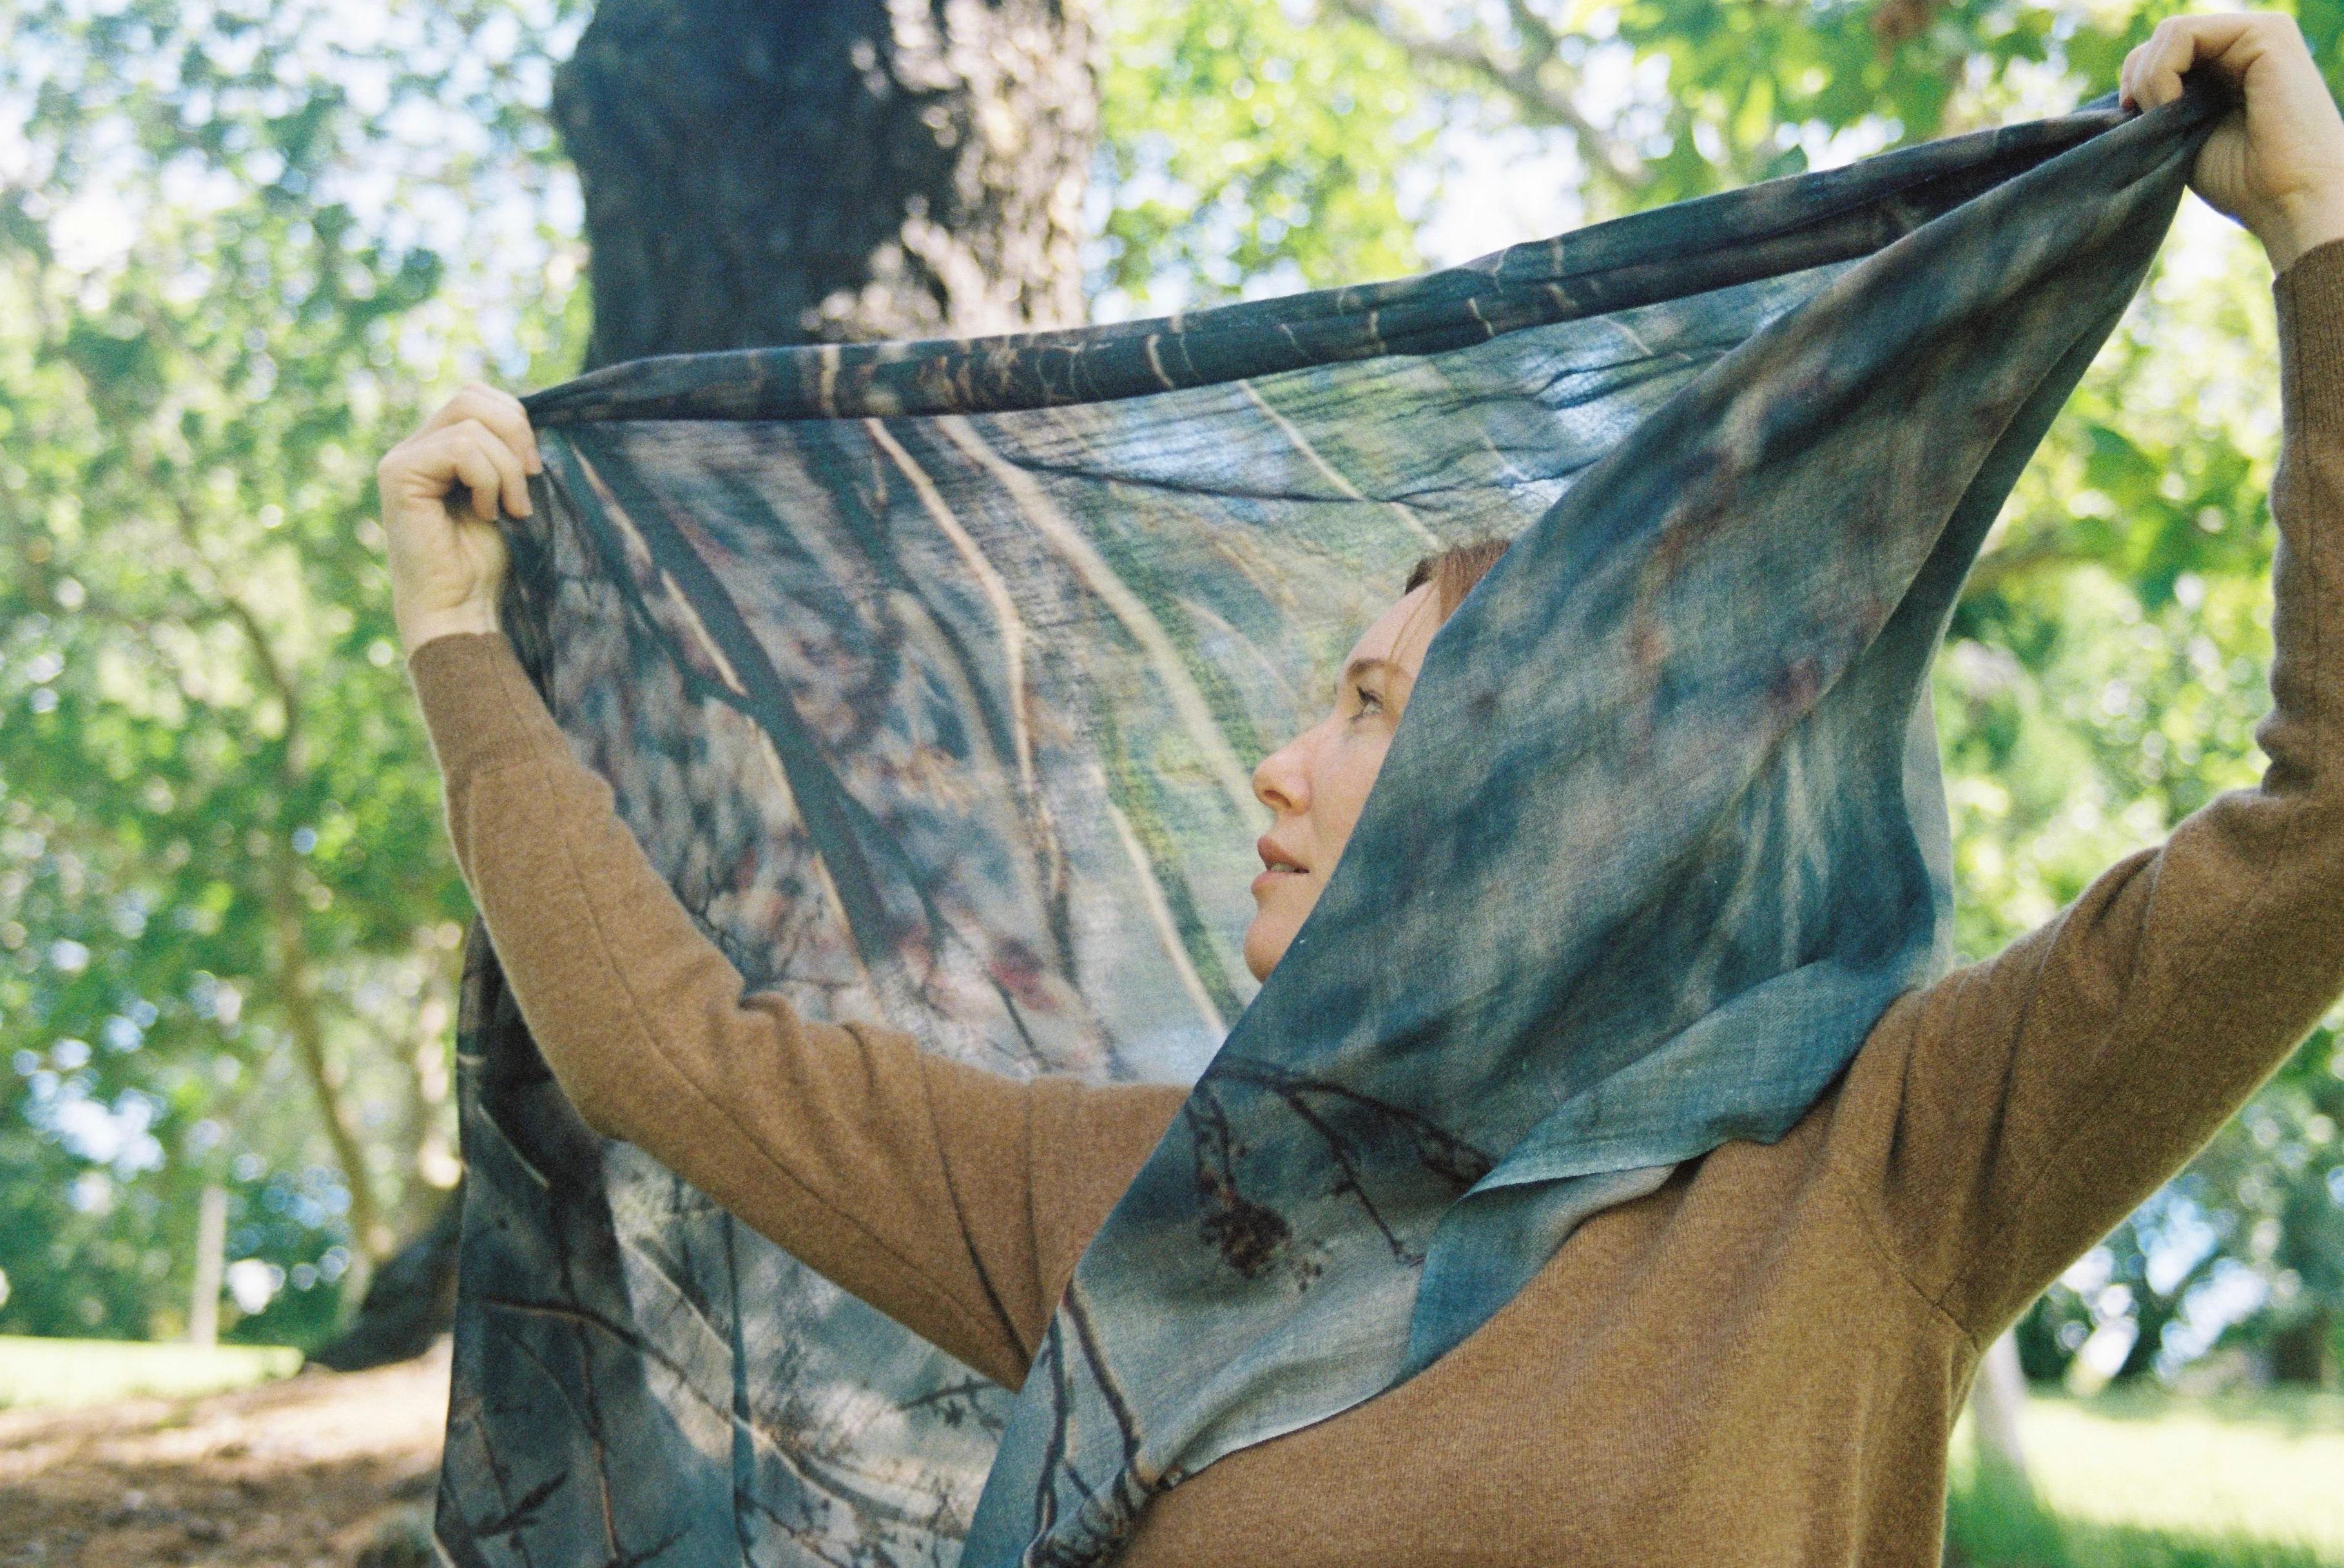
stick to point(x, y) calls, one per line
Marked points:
point(1367, 697)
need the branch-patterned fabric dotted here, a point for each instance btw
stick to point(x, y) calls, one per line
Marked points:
point(932, 676)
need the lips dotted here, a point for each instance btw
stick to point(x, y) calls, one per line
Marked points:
point(1275, 859)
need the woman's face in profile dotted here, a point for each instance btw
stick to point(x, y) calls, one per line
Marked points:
point(1317, 781)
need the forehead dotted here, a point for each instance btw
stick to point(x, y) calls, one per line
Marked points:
point(1402, 632)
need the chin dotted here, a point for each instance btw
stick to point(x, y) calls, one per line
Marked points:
point(1266, 942)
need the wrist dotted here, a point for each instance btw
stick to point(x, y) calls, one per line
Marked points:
point(2297, 226)
point(414, 630)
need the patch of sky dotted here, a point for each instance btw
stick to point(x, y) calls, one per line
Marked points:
point(212, 997)
point(2230, 1292)
point(128, 915)
point(415, 175)
point(91, 1192)
point(118, 1135)
point(252, 1283)
point(1492, 185)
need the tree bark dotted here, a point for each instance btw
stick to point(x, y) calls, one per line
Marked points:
point(828, 170)
point(409, 1304)
point(211, 1264)
point(1996, 1397)
point(2299, 1352)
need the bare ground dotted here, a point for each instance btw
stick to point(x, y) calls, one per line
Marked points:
point(320, 1471)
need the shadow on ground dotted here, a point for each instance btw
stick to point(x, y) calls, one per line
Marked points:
point(326, 1470)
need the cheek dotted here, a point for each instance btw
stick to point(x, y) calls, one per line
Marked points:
point(1346, 773)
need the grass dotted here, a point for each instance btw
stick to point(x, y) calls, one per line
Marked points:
point(2142, 1478)
point(2138, 1479)
point(54, 1373)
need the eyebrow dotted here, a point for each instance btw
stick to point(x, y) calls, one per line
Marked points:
point(1359, 667)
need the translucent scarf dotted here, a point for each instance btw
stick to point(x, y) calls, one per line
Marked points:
point(932, 676)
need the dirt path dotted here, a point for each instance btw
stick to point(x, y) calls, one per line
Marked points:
point(320, 1471)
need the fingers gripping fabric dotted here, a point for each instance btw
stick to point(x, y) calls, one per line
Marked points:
point(933, 675)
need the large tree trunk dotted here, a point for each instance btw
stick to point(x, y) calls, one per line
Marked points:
point(2299, 1352)
point(828, 170)
point(814, 171)
point(410, 1302)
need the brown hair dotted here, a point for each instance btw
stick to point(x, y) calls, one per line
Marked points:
point(1453, 571)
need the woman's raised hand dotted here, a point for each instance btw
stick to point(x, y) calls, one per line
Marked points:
point(2278, 164)
point(442, 488)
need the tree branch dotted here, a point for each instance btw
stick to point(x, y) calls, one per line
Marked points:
point(2000, 568)
point(296, 991)
point(1534, 76)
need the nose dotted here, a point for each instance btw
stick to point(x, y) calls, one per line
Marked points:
point(1282, 782)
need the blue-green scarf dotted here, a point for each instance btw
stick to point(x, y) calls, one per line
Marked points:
point(932, 676)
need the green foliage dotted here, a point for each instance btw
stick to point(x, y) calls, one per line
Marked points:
point(1243, 149)
point(1750, 86)
point(226, 910)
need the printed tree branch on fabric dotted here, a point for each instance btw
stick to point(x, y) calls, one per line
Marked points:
point(925, 672)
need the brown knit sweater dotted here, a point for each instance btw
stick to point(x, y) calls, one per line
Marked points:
point(1761, 1362)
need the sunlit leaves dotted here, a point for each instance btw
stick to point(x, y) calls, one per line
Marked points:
point(240, 253)
point(1247, 152)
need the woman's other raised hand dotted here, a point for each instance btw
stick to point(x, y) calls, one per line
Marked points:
point(2277, 164)
point(442, 490)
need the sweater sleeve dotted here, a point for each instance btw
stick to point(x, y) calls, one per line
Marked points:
point(1998, 1123)
point(909, 1180)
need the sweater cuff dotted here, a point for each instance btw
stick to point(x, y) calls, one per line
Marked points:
point(478, 705)
point(2311, 299)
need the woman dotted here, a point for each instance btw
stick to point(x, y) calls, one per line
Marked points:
point(1764, 1355)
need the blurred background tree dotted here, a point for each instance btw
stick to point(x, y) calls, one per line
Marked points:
point(232, 246)
point(244, 245)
